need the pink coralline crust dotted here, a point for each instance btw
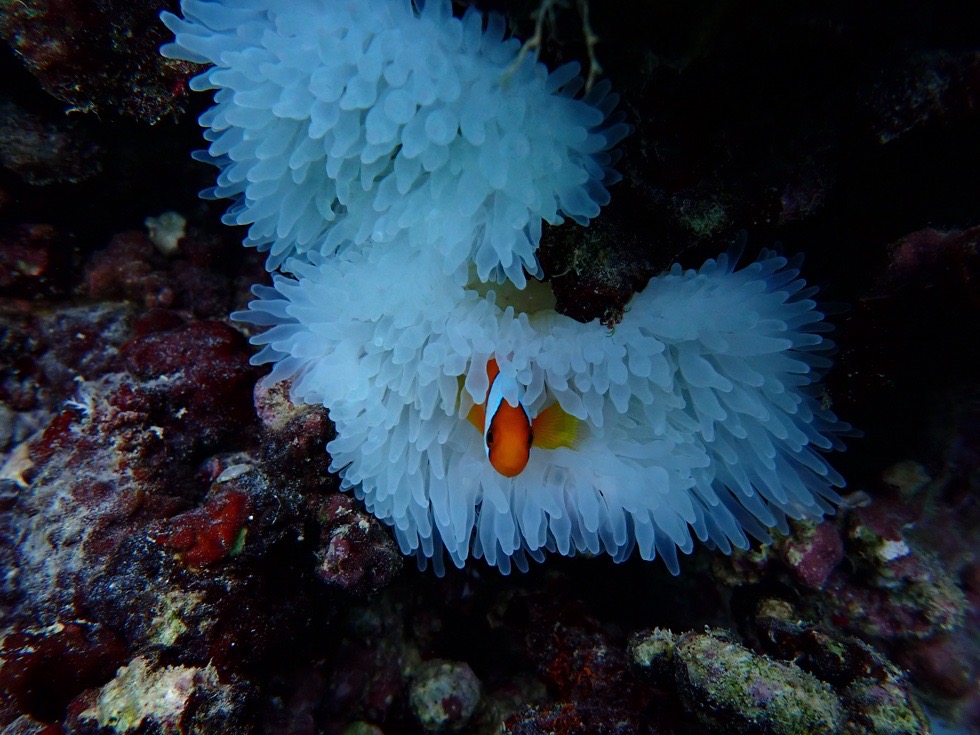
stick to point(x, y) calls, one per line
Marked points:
point(215, 589)
point(144, 490)
point(35, 262)
point(366, 675)
point(130, 267)
point(40, 671)
point(273, 407)
point(295, 435)
point(943, 663)
point(571, 718)
point(919, 249)
point(931, 274)
point(180, 351)
point(355, 553)
point(45, 352)
point(297, 712)
point(812, 554)
point(198, 375)
point(920, 604)
point(120, 456)
point(949, 259)
point(900, 591)
point(577, 659)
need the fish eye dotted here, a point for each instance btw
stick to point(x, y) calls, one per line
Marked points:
point(490, 437)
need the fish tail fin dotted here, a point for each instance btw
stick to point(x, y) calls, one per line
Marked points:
point(554, 428)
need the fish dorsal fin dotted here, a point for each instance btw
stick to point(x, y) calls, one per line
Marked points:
point(554, 428)
point(493, 370)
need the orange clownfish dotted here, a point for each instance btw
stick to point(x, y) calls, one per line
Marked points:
point(509, 432)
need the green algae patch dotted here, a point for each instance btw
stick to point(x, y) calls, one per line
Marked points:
point(170, 621)
point(652, 652)
point(738, 691)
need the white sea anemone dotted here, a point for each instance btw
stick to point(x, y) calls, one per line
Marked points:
point(349, 122)
point(700, 408)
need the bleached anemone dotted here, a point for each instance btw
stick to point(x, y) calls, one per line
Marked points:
point(698, 412)
point(348, 122)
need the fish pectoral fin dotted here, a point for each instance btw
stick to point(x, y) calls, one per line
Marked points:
point(554, 428)
point(477, 416)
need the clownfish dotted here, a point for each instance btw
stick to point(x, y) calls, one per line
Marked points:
point(509, 432)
